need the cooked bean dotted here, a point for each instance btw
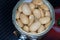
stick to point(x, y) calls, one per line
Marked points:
point(36, 13)
point(20, 23)
point(41, 29)
point(43, 6)
point(17, 14)
point(47, 13)
point(42, 12)
point(20, 8)
point(25, 28)
point(37, 2)
point(44, 20)
point(24, 19)
point(31, 20)
point(32, 6)
point(47, 25)
point(35, 26)
point(26, 10)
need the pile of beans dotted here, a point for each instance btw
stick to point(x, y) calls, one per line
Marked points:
point(33, 17)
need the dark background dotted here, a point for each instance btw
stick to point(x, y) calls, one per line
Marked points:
point(6, 25)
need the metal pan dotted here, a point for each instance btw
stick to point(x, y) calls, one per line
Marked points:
point(28, 34)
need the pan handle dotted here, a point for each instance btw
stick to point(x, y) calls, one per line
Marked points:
point(33, 38)
point(22, 37)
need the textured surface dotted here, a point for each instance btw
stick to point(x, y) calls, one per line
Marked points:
point(6, 26)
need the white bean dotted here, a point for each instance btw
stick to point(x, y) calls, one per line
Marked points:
point(36, 13)
point(37, 2)
point(47, 25)
point(43, 6)
point(24, 19)
point(20, 23)
point(42, 12)
point(25, 28)
point(17, 14)
point(35, 26)
point(44, 20)
point(41, 29)
point(32, 6)
point(47, 13)
point(31, 20)
point(26, 9)
point(20, 8)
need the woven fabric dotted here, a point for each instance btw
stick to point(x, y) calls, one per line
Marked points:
point(6, 25)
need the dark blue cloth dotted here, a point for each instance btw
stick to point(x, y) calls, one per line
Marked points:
point(6, 25)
